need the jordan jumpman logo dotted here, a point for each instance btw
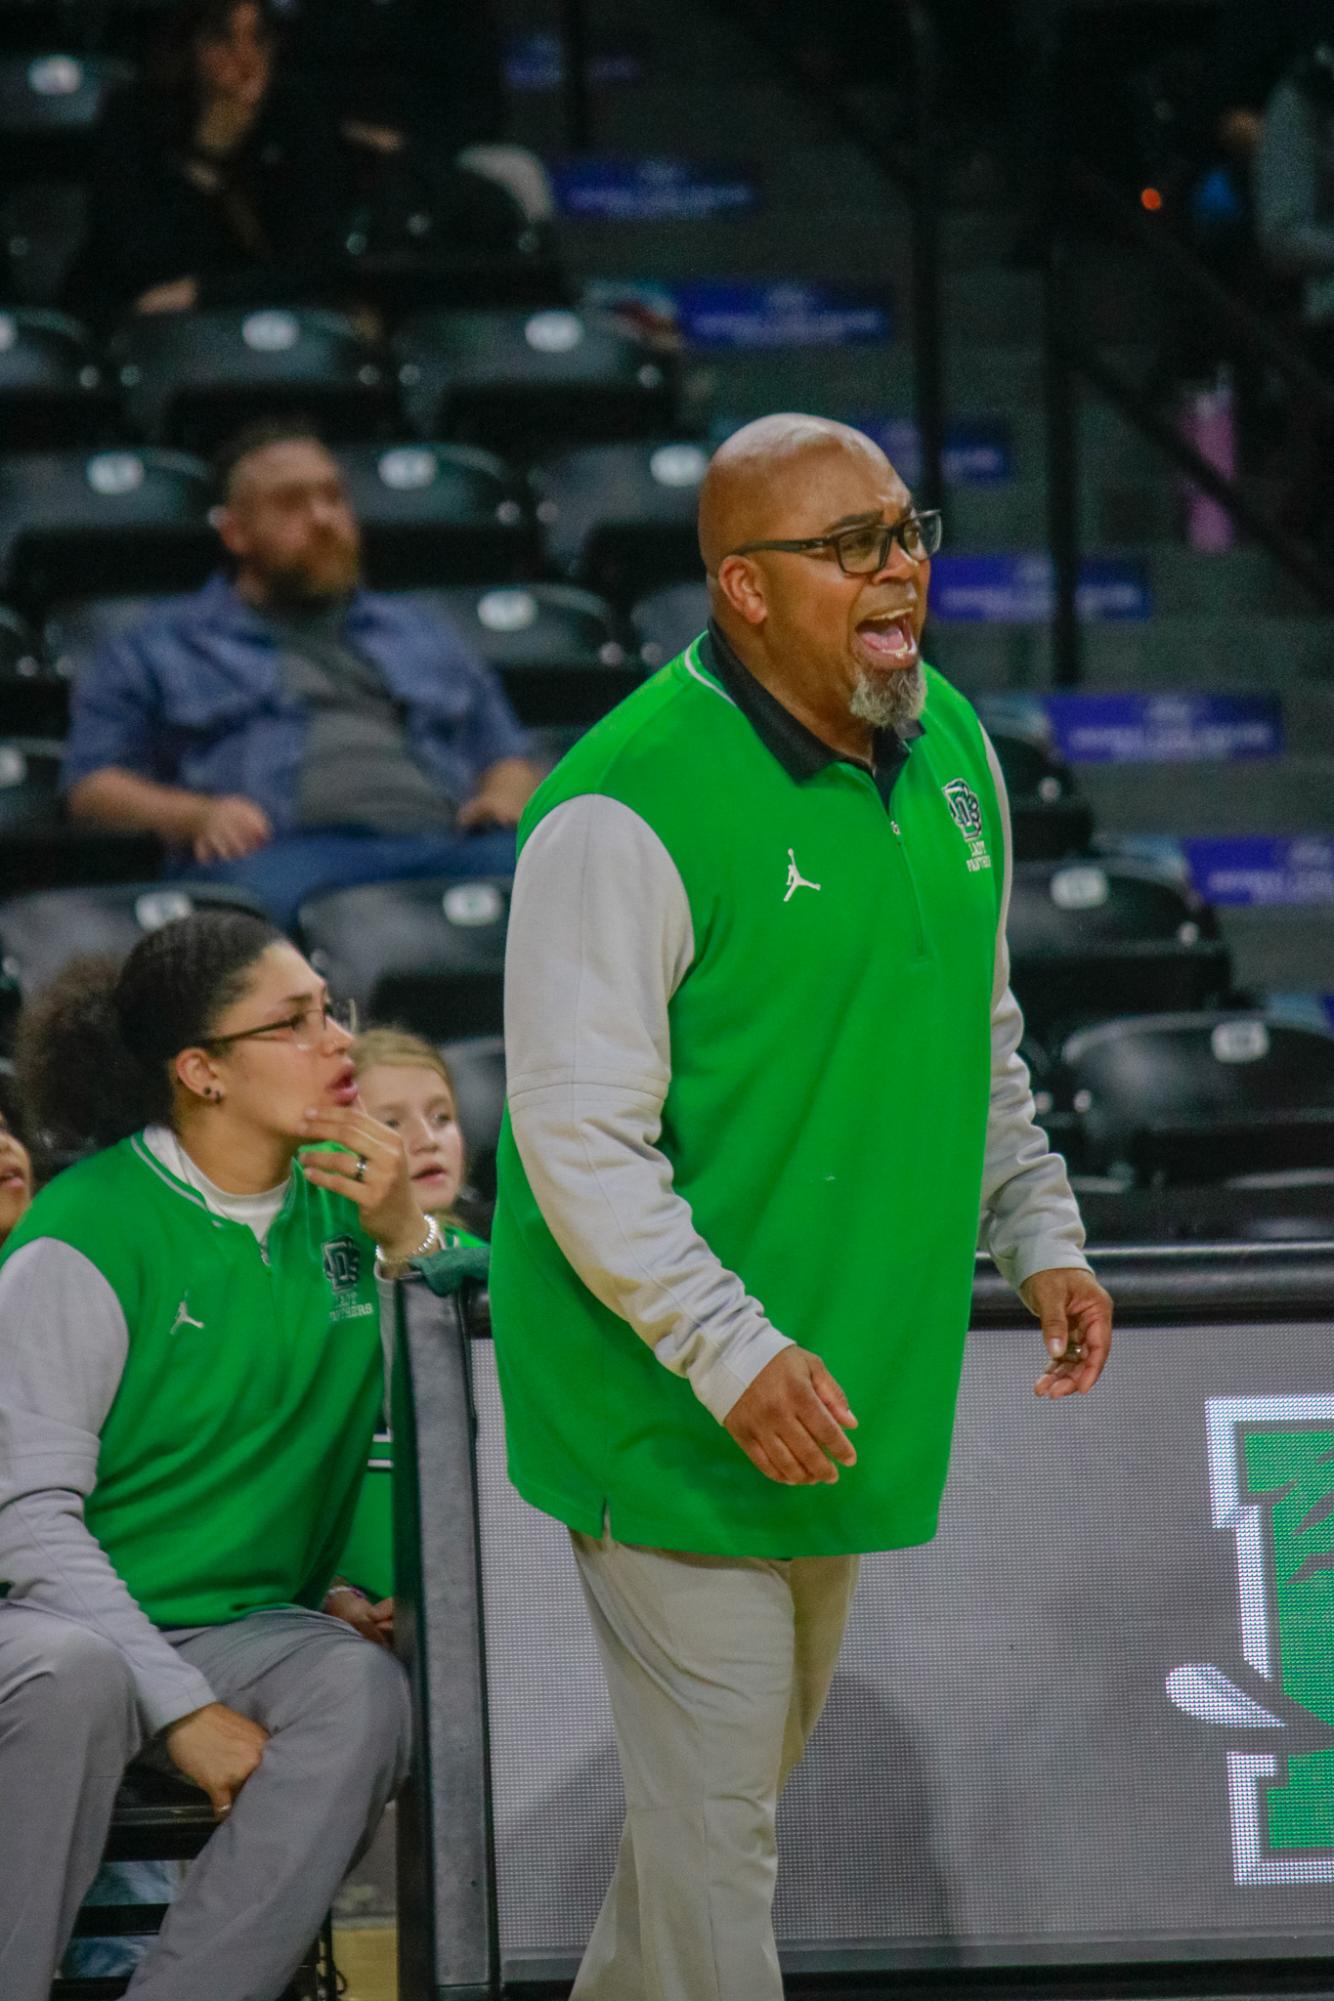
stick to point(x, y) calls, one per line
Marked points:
point(183, 1318)
point(795, 879)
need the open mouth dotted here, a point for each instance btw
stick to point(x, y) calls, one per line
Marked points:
point(343, 1089)
point(888, 637)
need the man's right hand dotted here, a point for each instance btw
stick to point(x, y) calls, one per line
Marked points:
point(218, 1749)
point(792, 1420)
point(230, 828)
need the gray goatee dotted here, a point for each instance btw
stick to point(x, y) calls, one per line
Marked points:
point(888, 701)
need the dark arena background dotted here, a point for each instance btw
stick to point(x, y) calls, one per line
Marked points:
point(523, 267)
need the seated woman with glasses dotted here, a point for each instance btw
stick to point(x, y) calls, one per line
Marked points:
point(190, 1372)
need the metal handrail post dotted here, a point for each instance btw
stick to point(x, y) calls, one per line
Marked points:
point(575, 84)
point(1060, 395)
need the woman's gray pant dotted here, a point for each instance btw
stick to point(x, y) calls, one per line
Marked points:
point(336, 1709)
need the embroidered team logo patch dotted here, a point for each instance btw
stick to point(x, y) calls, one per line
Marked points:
point(966, 809)
point(342, 1268)
point(342, 1263)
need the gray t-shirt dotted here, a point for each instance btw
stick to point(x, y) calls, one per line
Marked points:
point(358, 769)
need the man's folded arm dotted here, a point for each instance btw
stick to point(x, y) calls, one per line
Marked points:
point(600, 936)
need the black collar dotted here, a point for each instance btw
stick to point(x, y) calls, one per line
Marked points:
point(801, 753)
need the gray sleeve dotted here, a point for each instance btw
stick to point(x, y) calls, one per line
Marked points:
point(1030, 1220)
point(63, 1344)
point(1294, 236)
point(599, 938)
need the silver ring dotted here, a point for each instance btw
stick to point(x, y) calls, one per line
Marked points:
point(362, 1164)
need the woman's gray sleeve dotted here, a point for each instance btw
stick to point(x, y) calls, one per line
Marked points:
point(599, 938)
point(63, 1344)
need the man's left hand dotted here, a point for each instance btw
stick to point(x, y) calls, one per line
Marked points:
point(1076, 1316)
point(501, 795)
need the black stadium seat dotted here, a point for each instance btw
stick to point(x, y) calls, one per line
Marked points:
point(1201, 1098)
point(29, 783)
point(1301, 1210)
point(40, 932)
point(76, 523)
point(39, 848)
point(519, 382)
point(76, 628)
point(50, 102)
point(435, 513)
point(52, 388)
point(477, 1065)
point(20, 658)
point(194, 379)
point(667, 620)
point(1049, 817)
point(428, 955)
point(33, 697)
point(1107, 936)
point(43, 224)
point(621, 517)
point(560, 652)
point(39, 24)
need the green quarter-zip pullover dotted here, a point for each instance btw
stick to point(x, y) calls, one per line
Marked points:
point(231, 1456)
point(763, 1086)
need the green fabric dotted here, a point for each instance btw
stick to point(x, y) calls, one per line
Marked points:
point(368, 1556)
point(463, 1259)
point(826, 1122)
point(234, 1450)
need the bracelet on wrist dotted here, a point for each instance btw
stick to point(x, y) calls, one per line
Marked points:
point(397, 1266)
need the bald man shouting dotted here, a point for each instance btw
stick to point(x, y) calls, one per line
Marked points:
point(764, 1090)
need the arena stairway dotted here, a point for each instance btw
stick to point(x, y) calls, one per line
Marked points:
point(1222, 623)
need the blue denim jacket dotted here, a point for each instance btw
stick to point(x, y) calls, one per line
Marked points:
point(194, 697)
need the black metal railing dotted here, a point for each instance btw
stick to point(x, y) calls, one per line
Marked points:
point(1093, 211)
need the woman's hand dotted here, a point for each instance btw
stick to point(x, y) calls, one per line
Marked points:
point(374, 1620)
point(373, 1173)
point(218, 1749)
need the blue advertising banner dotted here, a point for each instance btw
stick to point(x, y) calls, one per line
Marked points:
point(1162, 728)
point(714, 313)
point(537, 63)
point(977, 453)
point(1254, 871)
point(651, 190)
point(1001, 589)
point(1304, 1010)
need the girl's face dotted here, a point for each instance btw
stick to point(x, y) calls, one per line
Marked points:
point(15, 1179)
point(276, 1053)
point(414, 1100)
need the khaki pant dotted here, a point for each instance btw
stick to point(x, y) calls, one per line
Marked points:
point(337, 1712)
point(718, 1668)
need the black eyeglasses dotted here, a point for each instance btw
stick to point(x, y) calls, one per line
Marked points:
point(307, 1028)
point(863, 550)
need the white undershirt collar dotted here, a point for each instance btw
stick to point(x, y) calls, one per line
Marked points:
point(255, 1211)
